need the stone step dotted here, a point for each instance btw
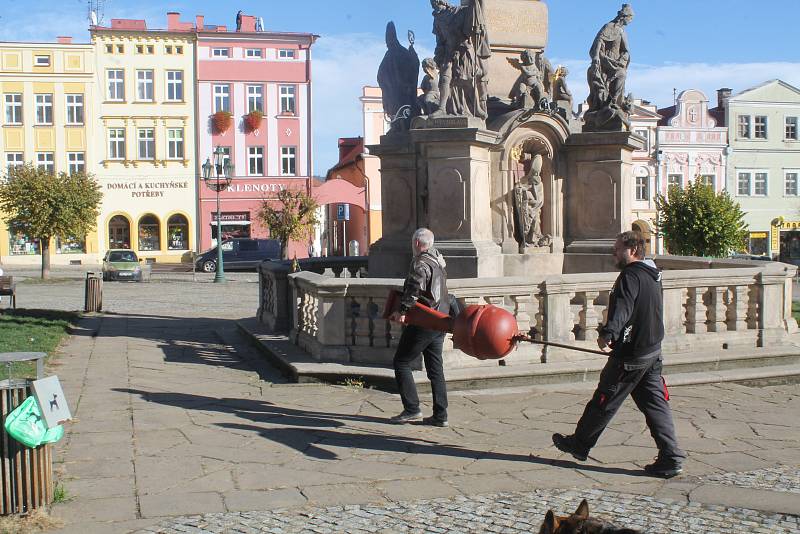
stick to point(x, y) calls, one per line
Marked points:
point(755, 366)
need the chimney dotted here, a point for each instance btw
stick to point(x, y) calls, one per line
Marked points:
point(722, 97)
point(64, 40)
point(173, 21)
point(248, 23)
point(200, 22)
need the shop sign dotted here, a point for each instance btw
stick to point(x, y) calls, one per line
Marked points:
point(758, 235)
point(232, 217)
point(256, 188)
point(147, 189)
point(779, 224)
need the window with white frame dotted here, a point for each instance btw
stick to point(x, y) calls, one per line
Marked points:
point(255, 160)
point(751, 183)
point(116, 143)
point(707, 179)
point(41, 60)
point(674, 180)
point(288, 161)
point(14, 159)
point(743, 128)
point(13, 108)
point(643, 133)
point(222, 98)
point(175, 143)
point(46, 161)
point(255, 98)
point(116, 85)
point(790, 129)
point(226, 157)
point(220, 52)
point(175, 85)
point(254, 53)
point(147, 143)
point(642, 186)
point(76, 162)
point(287, 93)
point(761, 127)
point(144, 85)
point(286, 53)
point(743, 182)
point(44, 109)
point(74, 109)
point(790, 183)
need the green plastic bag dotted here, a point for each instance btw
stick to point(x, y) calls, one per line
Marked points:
point(25, 424)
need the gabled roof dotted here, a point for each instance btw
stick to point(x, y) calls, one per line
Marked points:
point(775, 81)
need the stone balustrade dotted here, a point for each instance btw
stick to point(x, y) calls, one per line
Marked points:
point(708, 305)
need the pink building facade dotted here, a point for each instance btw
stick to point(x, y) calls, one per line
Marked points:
point(247, 71)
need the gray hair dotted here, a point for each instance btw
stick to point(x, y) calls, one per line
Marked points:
point(424, 236)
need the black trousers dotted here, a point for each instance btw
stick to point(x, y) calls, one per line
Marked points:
point(643, 381)
point(413, 341)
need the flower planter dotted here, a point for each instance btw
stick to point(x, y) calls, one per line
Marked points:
point(221, 121)
point(252, 121)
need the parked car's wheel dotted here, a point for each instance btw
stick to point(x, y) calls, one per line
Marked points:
point(209, 266)
point(105, 277)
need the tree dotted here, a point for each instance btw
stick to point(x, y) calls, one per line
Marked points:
point(295, 218)
point(699, 222)
point(44, 205)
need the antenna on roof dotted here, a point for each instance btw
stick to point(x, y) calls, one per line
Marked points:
point(96, 11)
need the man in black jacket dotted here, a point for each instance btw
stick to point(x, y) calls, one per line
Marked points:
point(426, 283)
point(634, 332)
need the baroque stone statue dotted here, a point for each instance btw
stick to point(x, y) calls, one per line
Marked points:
point(528, 203)
point(606, 76)
point(529, 89)
point(462, 54)
point(397, 77)
point(561, 93)
point(429, 99)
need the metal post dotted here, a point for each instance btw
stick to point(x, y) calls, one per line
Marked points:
point(220, 275)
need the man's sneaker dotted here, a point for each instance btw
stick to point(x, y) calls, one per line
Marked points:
point(435, 421)
point(406, 417)
point(664, 468)
point(567, 444)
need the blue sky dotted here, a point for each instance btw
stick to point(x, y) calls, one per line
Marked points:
point(704, 44)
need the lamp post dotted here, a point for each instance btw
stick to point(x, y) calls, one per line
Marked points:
point(217, 176)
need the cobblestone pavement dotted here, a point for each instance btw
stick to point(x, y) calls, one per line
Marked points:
point(509, 513)
point(784, 479)
point(177, 416)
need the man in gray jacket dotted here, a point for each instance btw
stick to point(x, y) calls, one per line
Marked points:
point(427, 283)
point(634, 332)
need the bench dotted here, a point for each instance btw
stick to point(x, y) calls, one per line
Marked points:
point(8, 288)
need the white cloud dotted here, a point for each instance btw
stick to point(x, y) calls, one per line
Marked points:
point(656, 82)
point(341, 66)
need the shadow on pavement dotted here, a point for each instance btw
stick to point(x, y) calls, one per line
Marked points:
point(310, 431)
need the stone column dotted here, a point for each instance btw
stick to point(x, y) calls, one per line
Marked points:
point(390, 255)
point(455, 186)
point(775, 321)
point(598, 189)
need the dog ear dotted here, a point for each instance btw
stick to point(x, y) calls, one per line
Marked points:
point(583, 510)
point(549, 524)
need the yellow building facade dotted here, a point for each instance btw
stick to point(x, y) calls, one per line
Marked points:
point(145, 139)
point(48, 95)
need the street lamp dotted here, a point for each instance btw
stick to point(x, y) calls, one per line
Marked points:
point(217, 177)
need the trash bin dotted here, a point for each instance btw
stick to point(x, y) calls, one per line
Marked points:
point(27, 474)
point(93, 300)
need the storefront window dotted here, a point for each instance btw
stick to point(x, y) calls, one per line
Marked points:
point(149, 230)
point(119, 232)
point(22, 245)
point(70, 245)
point(790, 247)
point(759, 243)
point(234, 224)
point(178, 233)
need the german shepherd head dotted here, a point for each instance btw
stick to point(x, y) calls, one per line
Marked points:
point(580, 523)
